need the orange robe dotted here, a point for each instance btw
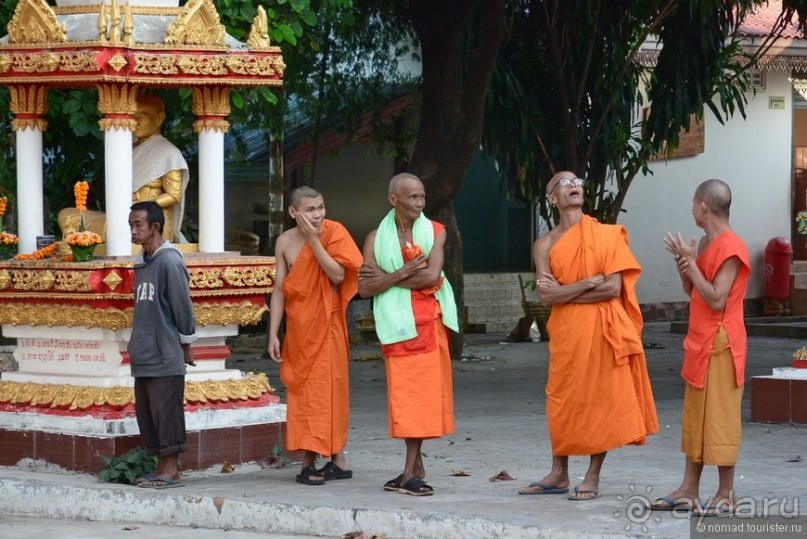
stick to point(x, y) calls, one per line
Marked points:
point(420, 395)
point(598, 392)
point(704, 322)
point(316, 351)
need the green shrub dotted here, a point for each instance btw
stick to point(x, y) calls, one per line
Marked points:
point(127, 467)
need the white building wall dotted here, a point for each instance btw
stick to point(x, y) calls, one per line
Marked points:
point(753, 156)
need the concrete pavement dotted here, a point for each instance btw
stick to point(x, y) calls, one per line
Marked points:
point(501, 425)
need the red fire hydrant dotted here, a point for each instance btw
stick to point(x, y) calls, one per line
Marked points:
point(778, 255)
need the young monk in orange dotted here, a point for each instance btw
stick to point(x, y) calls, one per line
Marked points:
point(598, 394)
point(413, 305)
point(317, 274)
point(715, 275)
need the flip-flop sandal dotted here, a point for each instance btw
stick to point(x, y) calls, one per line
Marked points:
point(546, 488)
point(307, 473)
point(714, 511)
point(331, 471)
point(393, 484)
point(590, 495)
point(159, 483)
point(415, 487)
point(145, 478)
point(669, 505)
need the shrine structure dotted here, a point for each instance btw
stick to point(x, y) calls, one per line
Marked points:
point(71, 400)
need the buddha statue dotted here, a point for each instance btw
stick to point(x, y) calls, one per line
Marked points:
point(159, 173)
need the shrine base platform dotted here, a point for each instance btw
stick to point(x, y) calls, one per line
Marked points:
point(780, 397)
point(237, 434)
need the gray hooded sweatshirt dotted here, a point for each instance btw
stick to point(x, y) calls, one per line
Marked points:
point(163, 314)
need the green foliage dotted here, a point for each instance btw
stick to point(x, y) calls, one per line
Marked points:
point(128, 467)
point(570, 87)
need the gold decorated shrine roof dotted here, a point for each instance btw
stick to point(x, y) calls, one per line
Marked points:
point(153, 43)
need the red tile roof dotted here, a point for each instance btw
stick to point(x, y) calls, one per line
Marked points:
point(762, 20)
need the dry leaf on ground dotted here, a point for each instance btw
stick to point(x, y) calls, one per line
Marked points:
point(502, 476)
point(362, 535)
point(793, 458)
point(130, 527)
point(460, 473)
point(226, 467)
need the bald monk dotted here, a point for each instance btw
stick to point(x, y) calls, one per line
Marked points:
point(159, 173)
point(714, 273)
point(413, 305)
point(317, 263)
point(598, 392)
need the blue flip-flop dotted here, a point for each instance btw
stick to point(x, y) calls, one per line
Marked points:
point(545, 489)
point(164, 483)
point(144, 479)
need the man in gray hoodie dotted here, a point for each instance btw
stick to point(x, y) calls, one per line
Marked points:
point(160, 346)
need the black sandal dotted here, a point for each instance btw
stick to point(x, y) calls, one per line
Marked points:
point(393, 484)
point(332, 471)
point(307, 473)
point(416, 487)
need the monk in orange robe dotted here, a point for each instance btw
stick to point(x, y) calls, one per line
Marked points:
point(413, 304)
point(317, 274)
point(598, 392)
point(714, 273)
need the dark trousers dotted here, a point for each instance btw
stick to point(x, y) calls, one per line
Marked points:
point(161, 414)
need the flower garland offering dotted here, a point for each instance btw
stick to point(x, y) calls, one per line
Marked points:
point(6, 238)
point(80, 190)
point(40, 254)
point(84, 237)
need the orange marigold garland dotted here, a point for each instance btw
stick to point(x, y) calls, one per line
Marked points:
point(83, 237)
point(80, 190)
point(6, 238)
point(40, 254)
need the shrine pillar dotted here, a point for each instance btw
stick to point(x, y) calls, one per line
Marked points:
point(29, 103)
point(118, 103)
point(211, 105)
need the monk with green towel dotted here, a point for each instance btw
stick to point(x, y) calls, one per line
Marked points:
point(413, 304)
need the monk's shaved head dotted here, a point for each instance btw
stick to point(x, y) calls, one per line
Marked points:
point(302, 192)
point(398, 178)
point(557, 177)
point(716, 195)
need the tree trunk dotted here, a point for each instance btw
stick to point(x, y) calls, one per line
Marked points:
point(452, 267)
point(456, 77)
point(276, 173)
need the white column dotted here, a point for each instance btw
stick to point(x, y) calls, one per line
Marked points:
point(211, 190)
point(30, 206)
point(118, 186)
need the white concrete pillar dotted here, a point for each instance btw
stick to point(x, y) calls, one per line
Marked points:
point(30, 200)
point(211, 191)
point(118, 103)
point(29, 103)
point(211, 105)
point(118, 187)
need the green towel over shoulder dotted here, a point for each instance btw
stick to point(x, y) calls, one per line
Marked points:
point(394, 319)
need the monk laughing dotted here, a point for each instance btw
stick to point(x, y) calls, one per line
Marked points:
point(317, 275)
point(598, 394)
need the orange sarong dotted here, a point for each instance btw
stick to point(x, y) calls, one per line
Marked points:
point(598, 392)
point(316, 351)
point(420, 395)
point(712, 418)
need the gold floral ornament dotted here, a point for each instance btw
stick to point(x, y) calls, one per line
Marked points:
point(8, 241)
point(83, 242)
